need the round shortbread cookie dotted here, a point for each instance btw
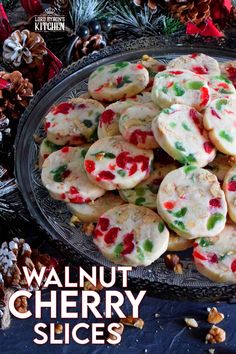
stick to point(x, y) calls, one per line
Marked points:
point(221, 87)
point(91, 212)
point(182, 87)
point(229, 187)
point(153, 67)
point(64, 176)
point(178, 243)
point(220, 120)
point(116, 81)
point(113, 163)
point(74, 122)
point(198, 63)
point(45, 149)
point(228, 69)
point(215, 257)
point(131, 235)
point(179, 131)
point(109, 120)
point(192, 203)
point(145, 193)
point(219, 166)
point(135, 125)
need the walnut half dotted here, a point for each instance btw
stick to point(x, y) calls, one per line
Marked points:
point(214, 316)
point(131, 321)
point(215, 335)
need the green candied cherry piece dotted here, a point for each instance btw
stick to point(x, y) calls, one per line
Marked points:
point(188, 169)
point(83, 152)
point(226, 136)
point(58, 173)
point(213, 220)
point(93, 136)
point(88, 123)
point(205, 243)
point(178, 225)
point(179, 91)
point(166, 110)
point(161, 226)
point(233, 178)
point(101, 68)
point(186, 127)
point(52, 146)
point(222, 78)
point(227, 92)
point(172, 124)
point(118, 249)
point(188, 159)
point(140, 253)
point(140, 201)
point(107, 155)
point(179, 146)
point(122, 173)
point(119, 66)
point(148, 245)
point(125, 80)
point(195, 85)
point(180, 213)
point(221, 102)
point(164, 89)
point(140, 191)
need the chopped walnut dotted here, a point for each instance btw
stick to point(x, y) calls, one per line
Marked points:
point(21, 304)
point(118, 330)
point(145, 57)
point(231, 160)
point(100, 156)
point(171, 260)
point(215, 335)
point(211, 350)
point(88, 228)
point(178, 269)
point(74, 220)
point(89, 286)
point(58, 328)
point(191, 322)
point(214, 316)
point(134, 322)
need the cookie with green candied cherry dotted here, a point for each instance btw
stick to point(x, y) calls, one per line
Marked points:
point(220, 121)
point(192, 203)
point(131, 235)
point(215, 257)
point(45, 149)
point(179, 131)
point(181, 86)
point(221, 87)
point(117, 81)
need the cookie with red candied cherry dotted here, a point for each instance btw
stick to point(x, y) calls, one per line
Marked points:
point(181, 86)
point(219, 166)
point(179, 131)
point(215, 257)
point(131, 235)
point(135, 125)
point(117, 81)
point(178, 243)
point(192, 203)
point(228, 69)
point(229, 187)
point(64, 176)
point(113, 163)
point(145, 193)
point(109, 120)
point(74, 122)
point(45, 149)
point(220, 121)
point(221, 87)
point(198, 63)
point(153, 67)
point(91, 212)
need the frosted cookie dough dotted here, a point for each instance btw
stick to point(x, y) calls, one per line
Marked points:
point(215, 257)
point(219, 166)
point(64, 176)
point(135, 125)
point(229, 187)
point(91, 212)
point(198, 63)
point(74, 122)
point(179, 131)
point(131, 235)
point(221, 87)
point(192, 203)
point(145, 193)
point(45, 149)
point(228, 69)
point(113, 163)
point(116, 81)
point(220, 120)
point(181, 86)
point(178, 243)
point(109, 120)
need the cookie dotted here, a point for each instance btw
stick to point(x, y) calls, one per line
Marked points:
point(178, 243)
point(153, 67)
point(179, 131)
point(113, 163)
point(109, 120)
point(91, 212)
point(74, 122)
point(182, 87)
point(215, 257)
point(198, 63)
point(116, 81)
point(220, 120)
point(221, 87)
point(135, 125)
point(145, 193)
point(219, 166)
point(228, 69)
point(229, 187)
point(64, 176)
point(45, 149)
point(131, 235)
point(192, 203)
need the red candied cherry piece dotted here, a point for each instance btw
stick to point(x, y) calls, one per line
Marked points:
point(213, 258)
point(46, 126)
point(103, 223)
point(198, 255)
point(107, 175)
point(215, 114)
point(194, 55)
point(63, 196)
point(107, 117)
point(133, 169)
point(82, 106)
point(215, 202)
point(139, 66)
point(208, 147)
point(139, 135)
point(176, 72)
point(201, 70)
point(123, 158)
point(204, 96)
point(63, 108)
point(65, 149)
point(233, 266)
point(73, 190)
point(89, 165)
point(169, 205)
point(231, 73)
point(66, 174)
point(144, 160)
point(79, 200)
point(111, 235)
point(97, 233)
point(119, 80)
point(224, 85)
point(231, 186)
point(128, 243)
point(194, 116)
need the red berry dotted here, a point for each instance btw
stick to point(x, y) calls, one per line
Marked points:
point(107, 175)
point(208, 147)
point(107, 117)
point(103, 223)
point(89, 165)
point(232, 186)
point(233, 266)
point(111, 235)
point(63, 108)
point(215, 202)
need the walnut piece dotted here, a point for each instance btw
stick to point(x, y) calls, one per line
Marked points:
point(178, 269)
point(191, 322)
point(21, 304)
point(214, 316)
point(171, 260)
point(88, 228)
point(74, 220)
point(58, 328)
point(100, 156)
point(131, 321)
point(231, 160)
point(118, 330)
point(89, 286)
point(215, 335)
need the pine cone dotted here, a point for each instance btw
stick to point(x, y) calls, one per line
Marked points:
point(152, 4)
point(61, 6)
point(90, 45)
point(195, 11)
point(24, 47)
